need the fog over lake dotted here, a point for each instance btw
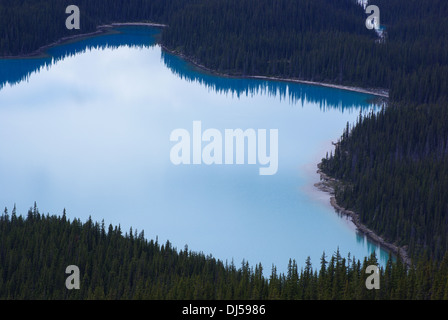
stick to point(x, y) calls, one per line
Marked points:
point(88, 129)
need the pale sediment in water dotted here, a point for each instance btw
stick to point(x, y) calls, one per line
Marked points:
point(327, 184)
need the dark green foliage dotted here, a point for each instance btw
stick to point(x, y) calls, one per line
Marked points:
point(394, 165)
point(319, 40)
point(418, 55)
point(29, 24)
point(34, 252)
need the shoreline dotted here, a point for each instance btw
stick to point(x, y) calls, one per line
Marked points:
point(326, 184)
point(373, 91)
point(40, 52)
point(379, 92)
point(102, 29)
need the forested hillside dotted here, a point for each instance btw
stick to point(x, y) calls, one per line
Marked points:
point(35, 251)
point(320, 40)
point(394, 165)
point(417, 30)
point(317, 40)
point(28, 25)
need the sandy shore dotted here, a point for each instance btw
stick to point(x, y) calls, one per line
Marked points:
point(327, 185)
point(374, 91)
point(147, 24)
point(380, 92)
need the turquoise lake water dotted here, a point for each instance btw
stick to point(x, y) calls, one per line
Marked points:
point(88, 129)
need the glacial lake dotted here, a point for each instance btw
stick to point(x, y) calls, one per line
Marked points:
point(87, 128)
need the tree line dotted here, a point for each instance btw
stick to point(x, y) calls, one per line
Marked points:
point(320, 40)
point(393, 168)
point(36, 249)
point(393, 165)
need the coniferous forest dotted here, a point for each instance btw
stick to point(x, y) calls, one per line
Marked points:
point(392, 167)
point(114, 264)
